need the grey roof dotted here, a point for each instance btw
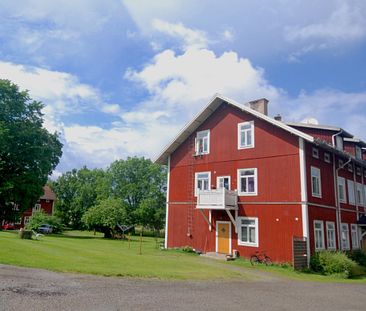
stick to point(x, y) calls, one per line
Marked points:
point(320, 127)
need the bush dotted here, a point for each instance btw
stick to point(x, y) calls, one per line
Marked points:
point(333, 263)
point(188, 249)
point(358, 256)
point(39, 218)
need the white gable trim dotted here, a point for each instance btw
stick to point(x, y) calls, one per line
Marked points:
point(202, 116)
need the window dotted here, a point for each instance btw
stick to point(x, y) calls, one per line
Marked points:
point(202, 181)
point(223, 182)
point(203, 142)
point(26, 219)
point(344, 236)
point(342, 190)
point(350, 167)
point(247, 181)
point(358, 152)
point(340, 163)
point(316, 186)
point(327, 157)
point(359, 194)
point(339, 142)
point(351, 192)
point(319, 234)
point(364, 195)
point(331, 240)
point(36, 207)
point(354, 236)
point(248, 231)
point(315, 152)
point(358, 171)
point(246, 135)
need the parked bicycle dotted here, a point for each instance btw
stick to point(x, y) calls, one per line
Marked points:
point(260, 257)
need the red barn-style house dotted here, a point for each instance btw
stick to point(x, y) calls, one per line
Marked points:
point(45, 202)
point(240, 182)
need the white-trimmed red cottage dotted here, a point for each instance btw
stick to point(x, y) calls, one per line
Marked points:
point(241, 181)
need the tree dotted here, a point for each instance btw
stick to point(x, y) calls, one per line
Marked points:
point(28, 152)
point(135, 180)
point(40, 217)
point(106, 215)
point(76, 192)
point(151, 213)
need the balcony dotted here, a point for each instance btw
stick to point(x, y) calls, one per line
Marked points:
point(219, 199)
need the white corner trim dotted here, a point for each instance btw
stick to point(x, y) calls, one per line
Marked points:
point(167, 205)
point(304, 196)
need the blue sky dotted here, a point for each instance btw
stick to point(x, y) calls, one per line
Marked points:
point(120, 78)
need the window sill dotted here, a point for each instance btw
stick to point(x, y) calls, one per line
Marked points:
point(319, 196)
point(248, 244)
point(245, 147)
point(244, 194)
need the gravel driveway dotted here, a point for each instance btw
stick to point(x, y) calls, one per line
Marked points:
point(32, 289)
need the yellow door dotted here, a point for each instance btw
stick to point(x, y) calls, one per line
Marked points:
point(223, 238)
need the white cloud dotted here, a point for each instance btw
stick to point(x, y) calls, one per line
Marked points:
point(344, 24)
point(228, 35)
point(190, 37)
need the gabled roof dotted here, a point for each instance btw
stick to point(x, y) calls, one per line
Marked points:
point(356, 141)
point(207, 111)
point(48, 194)
point(320, 127)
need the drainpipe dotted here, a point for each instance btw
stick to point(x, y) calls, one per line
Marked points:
point(336, 194)
point(333, 137)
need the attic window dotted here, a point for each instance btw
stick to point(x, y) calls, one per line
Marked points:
point(202, 142)
point(326, 157)
point(350, 167)
point(340, 163)
point(358, 152)
point(315, 152)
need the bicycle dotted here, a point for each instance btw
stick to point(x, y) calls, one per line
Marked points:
point(260, 257)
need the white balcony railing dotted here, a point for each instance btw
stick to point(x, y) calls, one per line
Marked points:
point(219, 199)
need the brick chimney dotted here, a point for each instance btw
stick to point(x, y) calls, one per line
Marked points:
point(260, 105)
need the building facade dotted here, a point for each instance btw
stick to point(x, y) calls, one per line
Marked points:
point(240, 182)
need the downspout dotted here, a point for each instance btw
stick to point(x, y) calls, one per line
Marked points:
point(167, 206)
point(336, 194)
point(333, 137)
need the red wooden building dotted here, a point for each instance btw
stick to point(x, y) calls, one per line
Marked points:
point(45, 202)
point(240, 182)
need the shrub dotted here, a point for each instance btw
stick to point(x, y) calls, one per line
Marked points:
point(333, 263)
point(40, 217)
point(358, 256)
point(188, 249)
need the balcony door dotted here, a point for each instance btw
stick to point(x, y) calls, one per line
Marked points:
point(223, 237)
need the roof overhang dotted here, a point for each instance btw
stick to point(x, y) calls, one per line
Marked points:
point(321, 127)
point(207, 111)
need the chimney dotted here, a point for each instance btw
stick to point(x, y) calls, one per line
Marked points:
point(260, 105)
point(278, 117)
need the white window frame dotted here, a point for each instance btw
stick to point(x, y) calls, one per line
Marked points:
point(321, 231)
point(314, 170)
point(256, 227)
point(354, 237)
point(315, 153)
point(359, 194)
point(351, 192)
point(205, 136)
point(342, 183)
point(345, 236)
point(339, 143)
point(221, 177)
point(358, 153)
point(239, 180)
point(358, 171)
point(327, 157)
point(331, 242)
point(240, 132)
point(26, 219)
point(36, 208)
point(196, 181)
point(350, 168)
point(340, 163)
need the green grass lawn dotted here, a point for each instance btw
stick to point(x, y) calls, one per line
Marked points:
point(84, 252)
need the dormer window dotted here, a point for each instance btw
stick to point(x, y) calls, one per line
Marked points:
point(350, 167)
point(315, 152)
point(327, 157)
point(340, 163)
point(358, 152)
point(358, 171)
point(339, 142)
point(246, 135)
point(203, 142)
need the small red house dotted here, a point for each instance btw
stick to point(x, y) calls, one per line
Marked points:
point(240, 182)
point(45, 202)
